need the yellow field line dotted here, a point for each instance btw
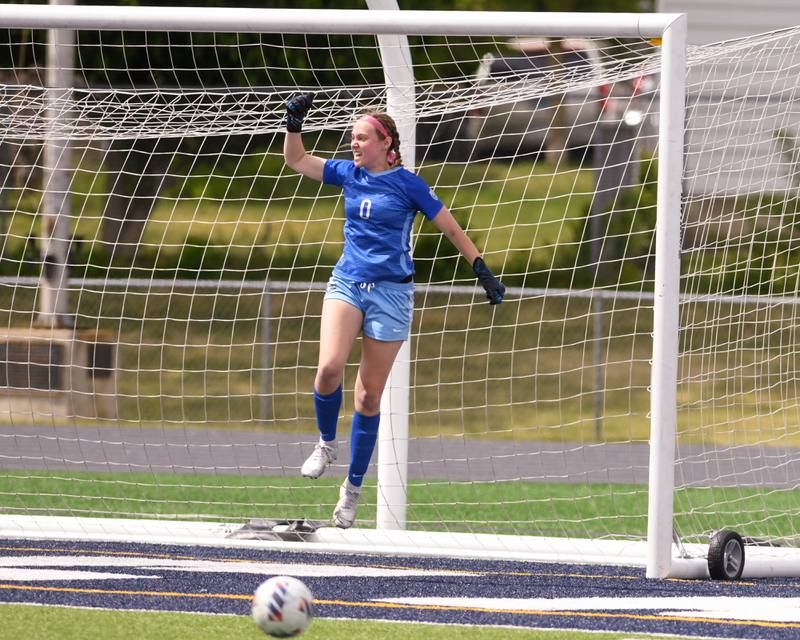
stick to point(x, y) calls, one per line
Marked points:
point(126, 592)
point(423, 607)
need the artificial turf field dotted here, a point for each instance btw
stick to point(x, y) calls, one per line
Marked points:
point(84, 589)
point(23, 622)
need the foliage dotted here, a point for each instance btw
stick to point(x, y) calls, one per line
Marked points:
point(626, 233)
point(209, 250)
point(164, 59)
point(271, 65)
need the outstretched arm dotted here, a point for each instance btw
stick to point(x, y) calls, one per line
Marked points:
point(448, 225)
point(294, 152)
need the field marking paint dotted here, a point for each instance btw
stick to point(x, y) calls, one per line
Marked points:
point(379, 604)
point(49, 575)
point(127, 592)
point(717, 608)
point(342, 565)
point(101, 552)
point(443, 571)
point(377, 565)
point(28, 562)
point(211, 566)
point(155, 611)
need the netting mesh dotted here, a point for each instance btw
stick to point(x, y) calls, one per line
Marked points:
point(197, 263)
point(738, 374)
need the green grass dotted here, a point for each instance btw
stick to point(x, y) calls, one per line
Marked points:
point(34, 622)
point(522, 508)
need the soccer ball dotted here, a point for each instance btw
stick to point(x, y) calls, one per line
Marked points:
point(282, 607)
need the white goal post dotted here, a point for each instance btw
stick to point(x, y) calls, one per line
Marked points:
point(193, 128)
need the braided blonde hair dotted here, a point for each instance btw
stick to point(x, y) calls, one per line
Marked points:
point(393, 154)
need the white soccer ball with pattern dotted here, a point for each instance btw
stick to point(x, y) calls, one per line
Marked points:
point(282, 607)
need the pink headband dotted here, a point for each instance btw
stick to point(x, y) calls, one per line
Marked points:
point(392, 155)
point(376, 123)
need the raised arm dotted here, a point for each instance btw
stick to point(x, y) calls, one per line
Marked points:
point(294, 152)
point(448, 225)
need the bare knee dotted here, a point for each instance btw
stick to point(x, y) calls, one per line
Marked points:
point(329, 377)
point(368, 401)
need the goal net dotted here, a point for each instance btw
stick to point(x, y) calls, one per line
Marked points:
point(163, 273)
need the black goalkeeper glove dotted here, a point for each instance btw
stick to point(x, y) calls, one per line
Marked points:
point(495, 290)
point(296, 110)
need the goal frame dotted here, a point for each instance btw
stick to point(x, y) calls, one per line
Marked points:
point(393, 25)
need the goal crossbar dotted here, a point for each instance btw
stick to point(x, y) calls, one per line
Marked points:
point(344, 21)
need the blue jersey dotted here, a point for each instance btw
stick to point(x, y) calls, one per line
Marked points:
point(379, 210)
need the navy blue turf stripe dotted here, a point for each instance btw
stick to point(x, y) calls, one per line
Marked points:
point(346, 594)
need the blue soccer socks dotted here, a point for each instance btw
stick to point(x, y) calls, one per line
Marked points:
point(327, 410)
point(363, 435)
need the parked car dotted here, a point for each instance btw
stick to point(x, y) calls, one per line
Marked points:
point(551, 122)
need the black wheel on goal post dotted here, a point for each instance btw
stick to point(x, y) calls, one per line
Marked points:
point(725, 555)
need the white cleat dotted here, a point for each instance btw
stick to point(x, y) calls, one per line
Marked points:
point(323, 455)
point(344, 515)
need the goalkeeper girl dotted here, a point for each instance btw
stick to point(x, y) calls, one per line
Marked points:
point(371, 289)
